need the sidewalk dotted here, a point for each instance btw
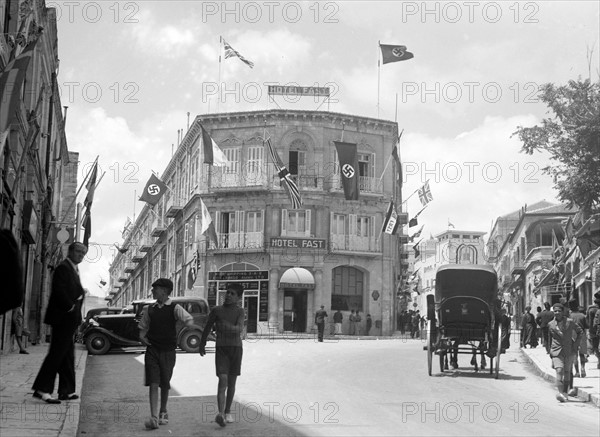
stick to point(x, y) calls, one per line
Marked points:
point(588, 388)
point(23, 415)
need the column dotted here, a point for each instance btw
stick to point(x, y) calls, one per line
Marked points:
point(273, 297)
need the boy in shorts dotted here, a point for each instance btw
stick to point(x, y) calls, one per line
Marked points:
point(159, 334)
point(229, 322)
point(565, 336)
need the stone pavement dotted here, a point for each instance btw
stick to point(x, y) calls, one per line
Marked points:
point(22, 415)
point(588, 388)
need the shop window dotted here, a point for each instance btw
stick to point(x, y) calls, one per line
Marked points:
point(347, 289)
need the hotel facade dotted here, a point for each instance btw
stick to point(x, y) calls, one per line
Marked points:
point(290, 261)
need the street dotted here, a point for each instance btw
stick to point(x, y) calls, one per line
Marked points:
point(301, 387)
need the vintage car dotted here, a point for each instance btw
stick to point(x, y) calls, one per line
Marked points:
point(91, 314)
point(121, 330)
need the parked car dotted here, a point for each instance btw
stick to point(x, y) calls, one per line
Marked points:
point(94, 312)
point(121, 330)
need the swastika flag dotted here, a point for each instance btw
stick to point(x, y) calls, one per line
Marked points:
point(348, 157)
point(153, 191)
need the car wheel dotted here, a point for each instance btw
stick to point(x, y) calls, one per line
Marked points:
point(190, 341)
point(97, 343)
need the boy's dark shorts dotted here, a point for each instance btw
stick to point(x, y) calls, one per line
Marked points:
point(228, 360)
point(158, 365)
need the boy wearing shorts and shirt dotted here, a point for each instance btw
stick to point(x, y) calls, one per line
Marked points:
point(565, 336)
point(229, 322)
point(159, 334)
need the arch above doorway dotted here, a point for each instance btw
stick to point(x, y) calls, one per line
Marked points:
point(297, 277)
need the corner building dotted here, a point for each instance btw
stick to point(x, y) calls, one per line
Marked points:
point(290, 261)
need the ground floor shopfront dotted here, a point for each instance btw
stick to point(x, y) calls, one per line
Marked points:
point(284, 298)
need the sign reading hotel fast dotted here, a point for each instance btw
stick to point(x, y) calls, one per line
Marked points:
point(281, 90)
point(301, 243)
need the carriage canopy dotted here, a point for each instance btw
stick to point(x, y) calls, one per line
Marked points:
point(472, 280)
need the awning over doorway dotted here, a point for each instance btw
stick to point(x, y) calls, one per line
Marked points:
point(297, 277)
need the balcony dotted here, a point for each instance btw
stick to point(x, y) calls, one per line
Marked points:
point(129, 268)
point(354, 243)
point(145, 245)
point(366, 184)
point(173, 208)
point(158, 229)
point(122, 279)
point(241, 240)
point(137, 257)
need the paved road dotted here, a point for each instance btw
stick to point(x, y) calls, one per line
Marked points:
point(378, 387)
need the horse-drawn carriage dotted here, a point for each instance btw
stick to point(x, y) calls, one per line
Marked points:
point(464, 316)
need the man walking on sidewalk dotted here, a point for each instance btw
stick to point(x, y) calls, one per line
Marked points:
point(565, 335)
point(64, 315)
point(320, 322)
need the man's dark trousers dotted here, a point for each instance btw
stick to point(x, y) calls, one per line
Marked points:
point(60, 360)
point(321, 330)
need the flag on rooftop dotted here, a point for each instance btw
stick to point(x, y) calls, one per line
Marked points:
point(394, 53)
point(284, 176)
point(230, 52)
point(213, 154)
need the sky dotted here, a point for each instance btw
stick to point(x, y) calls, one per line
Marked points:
point(131, 71)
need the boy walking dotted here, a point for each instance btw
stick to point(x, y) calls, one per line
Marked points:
point(228, 320)
point(159, 334)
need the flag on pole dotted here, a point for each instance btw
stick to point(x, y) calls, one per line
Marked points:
point(193, 269)
point(390, 224)
point(153, 191)
point(230, 52)
point(285, 177)
point(206, 224)
point(450, 225)
point(213, 154)
point(87, 227)
point(11, 81)
point(416, 248)
point(416, 234)
point(348, 159)
point(425, 194)
point(396, 156)
point(91, 186)
point(413, 221)
point(394, 53)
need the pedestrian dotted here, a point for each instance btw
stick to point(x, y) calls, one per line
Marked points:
point(352, 326)
point(538, 323)
point(338, 317)
point(369, 324)
point(416, 324)
point(596, 328)
point(229, 322)
point(357, 320)
point(579, 318)
point(159, 333)
point(528, 326)
point(546, 316)
point(16, 329)
point(320, 317)
point(565, 336)
point(593, 334)
point(64, 316)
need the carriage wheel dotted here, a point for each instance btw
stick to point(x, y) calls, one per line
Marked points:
point(430, 342)
point(499, 349)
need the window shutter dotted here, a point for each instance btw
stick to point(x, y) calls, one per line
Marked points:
point(284, 220)
point(185, 235)
point(262, 221)
point(372, 165)
point(352, 225)
point(307, 222)
point(331, 225)
point(218, 222)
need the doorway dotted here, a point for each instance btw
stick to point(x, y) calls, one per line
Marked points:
point(251, 309)
point(294, 310)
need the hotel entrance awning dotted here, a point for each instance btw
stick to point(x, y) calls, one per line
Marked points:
point(297, 277)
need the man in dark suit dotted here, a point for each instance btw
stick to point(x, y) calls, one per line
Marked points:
point(64, 315)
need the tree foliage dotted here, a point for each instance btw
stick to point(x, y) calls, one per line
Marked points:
point(571, 135)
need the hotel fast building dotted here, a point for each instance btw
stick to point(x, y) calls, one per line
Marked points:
point(329, 252)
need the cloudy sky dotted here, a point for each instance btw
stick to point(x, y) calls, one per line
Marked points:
point(131, 71)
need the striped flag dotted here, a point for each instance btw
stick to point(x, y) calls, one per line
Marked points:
point(390, 223)
point(285, 177)
point(230, 52)
point(213, 155)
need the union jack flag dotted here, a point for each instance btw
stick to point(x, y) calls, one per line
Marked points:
point(285, 177)
point(231, 52)
point(425, 194)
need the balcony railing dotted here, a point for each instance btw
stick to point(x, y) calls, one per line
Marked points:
point(256, 178)
point(145, 244)
point(173, 207)
point(366, 184)
point(354, 243)
point(241, 240)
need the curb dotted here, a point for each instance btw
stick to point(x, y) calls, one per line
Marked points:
point(594, 398)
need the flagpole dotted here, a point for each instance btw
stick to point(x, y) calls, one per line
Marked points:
point(219, 81)
point(80, 188)
point(378, 76)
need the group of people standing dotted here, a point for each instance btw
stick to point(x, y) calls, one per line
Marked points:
point(411, 321)
point(354, 320)
point(562, 330)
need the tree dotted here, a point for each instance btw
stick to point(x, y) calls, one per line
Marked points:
point(572, 138)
